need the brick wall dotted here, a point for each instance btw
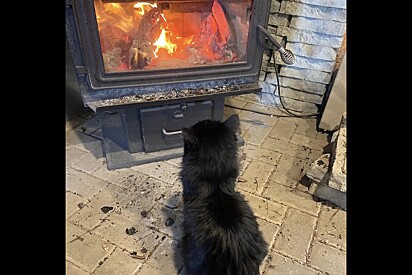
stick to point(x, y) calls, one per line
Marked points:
point(314, 31)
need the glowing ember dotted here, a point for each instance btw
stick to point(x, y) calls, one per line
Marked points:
point(164, 42)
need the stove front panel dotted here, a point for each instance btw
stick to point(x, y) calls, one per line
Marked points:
point(164, 45)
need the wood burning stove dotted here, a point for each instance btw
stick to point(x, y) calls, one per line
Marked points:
point(150, 68)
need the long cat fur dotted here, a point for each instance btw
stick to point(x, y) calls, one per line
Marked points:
point(220, 232)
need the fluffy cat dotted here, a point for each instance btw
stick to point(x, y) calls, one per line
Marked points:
point(220, 232)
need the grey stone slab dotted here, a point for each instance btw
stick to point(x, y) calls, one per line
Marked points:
point(261, 154)
point(143, 242)
point(91, 215)
point(160, 170)
point(274, 6)
point(74, 232)
point(264, 109)
point(278, 20)
point(288, 171)
point(176, 161)
point(256, 134)
point(255, 176)
point(267, 210)
point(295, 234)
point(338, 174)
point(313, 11)
point(124, 159)
point(82, 183)
point(166, 258)
point(283, 130)
point(235, 101)
point(91, 161)
point(292, 198)
point(326, 3)
point(73, 154)
point(313, 155)
point(305, 62)
point(255, 118)
point(86, 250)
point(301, 95)
point(157, 217)
point(89, 127)
point(323, 136)
point(331, 227)
point(73, 123)
point(71, 269)
point(323, 191)
point(318, 25)
point(82, 141)
point(307, 127)
point(124, 177)
point(113, 228)
point(285, 147)
point(144, 196)
point(310, 142)
point(270, 98)
point(309, 37)
point(305, 74)
point(252, 97)
point(300, 84)
point(312, 51)
point(230, 111)
point(319, 168)
point(72, 203)
point(147, 269)
point(286, 266)
point(300, 107)
point(269, 231)
point(119, 263)
point(328, 259)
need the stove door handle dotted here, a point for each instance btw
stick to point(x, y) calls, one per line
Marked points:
point(166, 133)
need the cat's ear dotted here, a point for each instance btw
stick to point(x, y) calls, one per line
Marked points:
point(232, 122)
point(188, 135)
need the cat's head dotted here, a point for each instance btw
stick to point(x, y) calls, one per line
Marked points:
point(208, 135)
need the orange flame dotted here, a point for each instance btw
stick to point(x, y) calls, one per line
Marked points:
point(114, 14)
point(142, 5)
point(164, 42)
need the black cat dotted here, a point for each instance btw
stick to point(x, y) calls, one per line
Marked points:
point(220, 232)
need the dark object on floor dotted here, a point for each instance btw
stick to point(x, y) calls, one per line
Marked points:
point(143, 250)
point(135, 256)
point(220, 233)
point(106, 209)
point(130, 231)
point(143, 213)
point(169, 221)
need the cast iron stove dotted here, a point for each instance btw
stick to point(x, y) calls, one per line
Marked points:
point(148, 69)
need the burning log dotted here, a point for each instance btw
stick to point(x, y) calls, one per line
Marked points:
point(212, 38)
point(141, 51)
point(223, 26)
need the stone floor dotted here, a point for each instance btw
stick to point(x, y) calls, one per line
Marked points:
point(306, 236)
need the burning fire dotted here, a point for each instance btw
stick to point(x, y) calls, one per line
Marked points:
point(141, 6)
point(165, 43)
point(136, 36)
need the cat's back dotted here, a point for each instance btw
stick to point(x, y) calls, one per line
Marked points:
point(226, 228)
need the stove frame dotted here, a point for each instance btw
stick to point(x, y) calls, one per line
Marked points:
point(129, 126)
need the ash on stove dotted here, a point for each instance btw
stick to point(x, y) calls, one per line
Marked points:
point(168, 95)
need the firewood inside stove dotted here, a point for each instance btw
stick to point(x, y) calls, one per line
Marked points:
point(140, 53)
